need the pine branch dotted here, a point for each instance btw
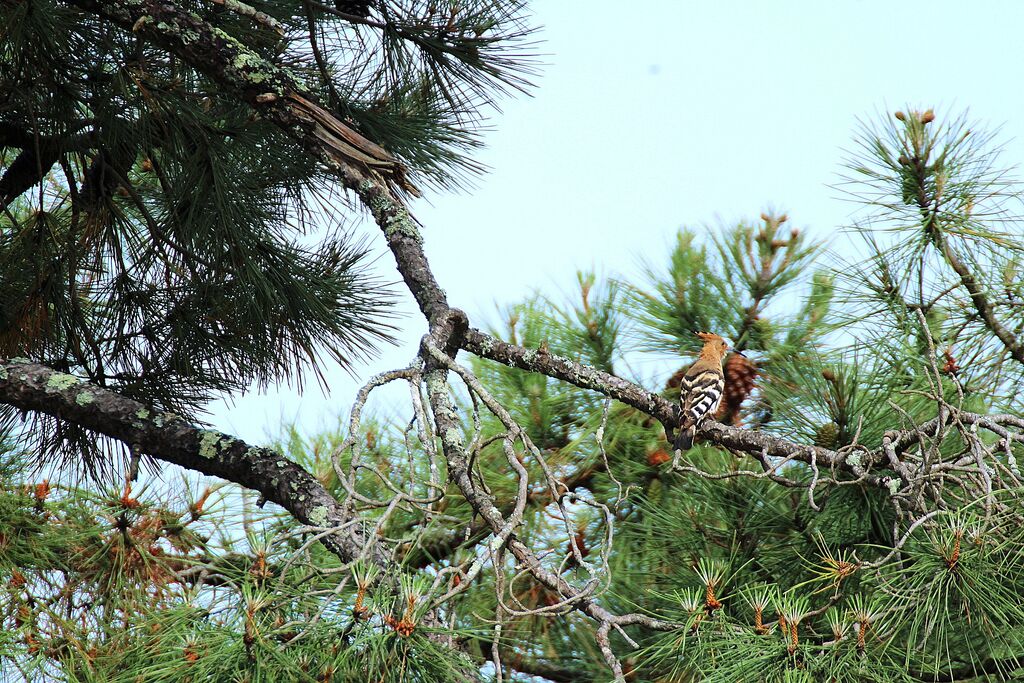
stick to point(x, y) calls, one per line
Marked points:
point(931, 219)
point(272, 92)
point(938, 173)
point(978, 298)
point(585, 377)
point(38, 155)
point(28, 169)
point(33, 387)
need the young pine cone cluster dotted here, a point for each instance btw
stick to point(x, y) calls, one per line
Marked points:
point(740, 378)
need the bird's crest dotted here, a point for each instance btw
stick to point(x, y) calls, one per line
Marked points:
point(714, 346)
point(708, 337)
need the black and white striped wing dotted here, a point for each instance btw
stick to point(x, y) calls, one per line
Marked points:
point(701, 393)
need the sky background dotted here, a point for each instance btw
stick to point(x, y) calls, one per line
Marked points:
point(650, 116)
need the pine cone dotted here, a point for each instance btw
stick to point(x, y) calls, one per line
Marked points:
point(740, 379)
point(827, 435)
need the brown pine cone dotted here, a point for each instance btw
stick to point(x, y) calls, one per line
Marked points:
point(740, 379)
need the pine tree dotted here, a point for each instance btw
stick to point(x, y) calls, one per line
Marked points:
point(854, 515)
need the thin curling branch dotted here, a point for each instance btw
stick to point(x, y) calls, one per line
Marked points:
point(452, 441)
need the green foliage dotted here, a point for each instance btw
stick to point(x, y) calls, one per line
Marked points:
point(163, 241)
point(771, 582)
point(120, 585)
point(940, 234)
point(732, 294)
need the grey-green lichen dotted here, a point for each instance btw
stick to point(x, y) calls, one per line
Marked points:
point(318, 516)
point(228, 38)
point(142, 413)
point(401, 224)
point(212, 444)
point(853, 459)
point(84, 398)
point(252, 65)
point(453, 437)
point(166, 418)
point(3, 373)
point(208, 444)
point(893, 484)
point(60, 381)
point(253, 68)
point(393, 219)
point(436, 384)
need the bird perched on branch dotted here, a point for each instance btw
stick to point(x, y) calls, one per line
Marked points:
point(701, 387)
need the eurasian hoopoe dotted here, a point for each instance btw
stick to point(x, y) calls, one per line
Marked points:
point(700, 390)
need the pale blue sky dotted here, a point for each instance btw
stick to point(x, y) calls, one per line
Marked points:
point(648, 116)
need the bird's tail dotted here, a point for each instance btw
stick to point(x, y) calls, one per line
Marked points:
point(684, 438)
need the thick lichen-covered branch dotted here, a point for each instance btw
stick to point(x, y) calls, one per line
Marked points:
point(167, 437)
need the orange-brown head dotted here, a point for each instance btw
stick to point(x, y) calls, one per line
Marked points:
point(714, 346)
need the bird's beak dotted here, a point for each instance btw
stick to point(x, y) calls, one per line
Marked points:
point(739, 352)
